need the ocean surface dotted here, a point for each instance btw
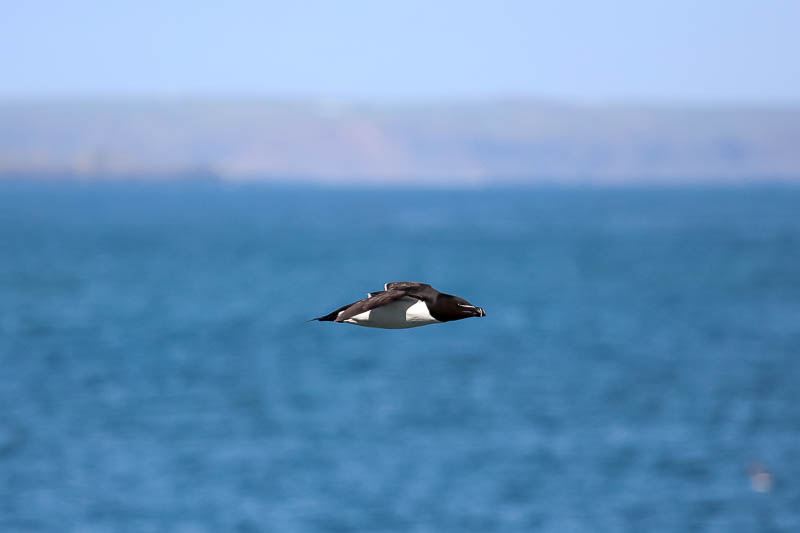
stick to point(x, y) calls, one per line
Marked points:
point(639, 363)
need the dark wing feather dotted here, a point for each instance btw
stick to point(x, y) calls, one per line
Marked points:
point(406, 285)
point(367, 304)
point(420, 291)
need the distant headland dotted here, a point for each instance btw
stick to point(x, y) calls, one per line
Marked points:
point(459, 144)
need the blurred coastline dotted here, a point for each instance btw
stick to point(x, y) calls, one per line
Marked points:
point(480, 142)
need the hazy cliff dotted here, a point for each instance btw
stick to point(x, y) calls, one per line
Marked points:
point(508, 141)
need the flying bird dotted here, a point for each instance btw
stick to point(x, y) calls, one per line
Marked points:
point(404, 304)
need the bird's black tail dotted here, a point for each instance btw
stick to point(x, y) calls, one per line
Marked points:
point(330, 317)
point(327, 318)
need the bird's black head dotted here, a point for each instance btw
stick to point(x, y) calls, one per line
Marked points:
point(448, 307)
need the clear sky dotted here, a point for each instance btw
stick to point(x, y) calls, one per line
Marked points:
point(725, 51)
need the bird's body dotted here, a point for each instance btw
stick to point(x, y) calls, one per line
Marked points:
point(404, 313)
point(404, 304)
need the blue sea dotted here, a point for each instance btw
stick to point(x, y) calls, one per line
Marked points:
point(638, 368)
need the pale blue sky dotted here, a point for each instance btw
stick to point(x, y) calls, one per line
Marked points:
point(679, 50)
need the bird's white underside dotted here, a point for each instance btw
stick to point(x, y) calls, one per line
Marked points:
point(404, 313)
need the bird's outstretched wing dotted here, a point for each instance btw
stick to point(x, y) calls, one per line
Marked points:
point(392, 292)
point(420, 291)
point(367, 304)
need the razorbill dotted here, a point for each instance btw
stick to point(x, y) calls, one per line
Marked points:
point(404, 304)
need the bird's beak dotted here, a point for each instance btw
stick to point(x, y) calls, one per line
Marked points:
point(481, 312)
